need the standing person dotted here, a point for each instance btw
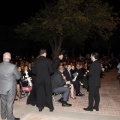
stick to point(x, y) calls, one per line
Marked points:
point(56, 62)
point(8, 82)
point(94, 83)
point(41, 94)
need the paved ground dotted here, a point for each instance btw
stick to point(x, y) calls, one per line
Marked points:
point(109, 105)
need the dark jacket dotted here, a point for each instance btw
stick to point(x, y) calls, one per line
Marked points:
point(94, 74)
point(55, 64)
point(80, 74)
point(57, 80)
point(68, 75)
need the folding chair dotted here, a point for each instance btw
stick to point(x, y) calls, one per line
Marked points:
point(55, 97)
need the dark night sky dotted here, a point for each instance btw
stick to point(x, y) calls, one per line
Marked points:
point(15, 12)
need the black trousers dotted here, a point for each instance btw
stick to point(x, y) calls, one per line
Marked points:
point(76, 86)
point(94, 97)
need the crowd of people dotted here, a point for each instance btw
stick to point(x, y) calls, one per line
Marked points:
point(48, 77)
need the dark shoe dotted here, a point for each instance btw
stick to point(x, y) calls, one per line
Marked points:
point(80, 94)
point(96, 109)
point(66, 104)
point(51, 109)
point(87, 109)
point(15, 99)
point(40, 109)
point(17, 118)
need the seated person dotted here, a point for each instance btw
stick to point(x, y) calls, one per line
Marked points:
point(59, 85)
point(68, 77)
point(18, 93)
point(79, 79)
point(71, 87)
point(68, 73)
point(26, 79)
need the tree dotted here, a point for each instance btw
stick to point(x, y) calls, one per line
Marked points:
point(72, 19)
point(104, 22)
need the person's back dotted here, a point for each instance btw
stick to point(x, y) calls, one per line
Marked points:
point(42, 67)
point(8, 76)
point(42, 86)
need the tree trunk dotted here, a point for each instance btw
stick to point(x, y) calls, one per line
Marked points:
point(109, 48)
point(56, 44)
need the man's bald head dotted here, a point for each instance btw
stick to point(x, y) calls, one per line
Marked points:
point(6, 56)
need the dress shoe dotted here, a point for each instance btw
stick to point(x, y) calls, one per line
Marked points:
point(40, 109)
point(65, 104)
point(15, 99)
point(87, 109)
point(17, 118)
point(80, 94)
point(96, 109)
point(51, 109)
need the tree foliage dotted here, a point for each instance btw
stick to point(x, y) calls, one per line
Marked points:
point(102, 18)
point(73, 19)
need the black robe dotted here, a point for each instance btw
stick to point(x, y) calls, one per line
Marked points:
point(41, 94)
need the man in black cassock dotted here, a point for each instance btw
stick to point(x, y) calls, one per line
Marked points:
point(41, 94)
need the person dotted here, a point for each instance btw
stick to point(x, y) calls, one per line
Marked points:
point(56, 62)
point(26, 79)
point(118, 66)
point(118, 76)
point(69, 77)
point(18, 84)
point(94, 83)
point(8, 82)
point(85, 78)
point(41, 94)
point(78, 80)
point(59, 85)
